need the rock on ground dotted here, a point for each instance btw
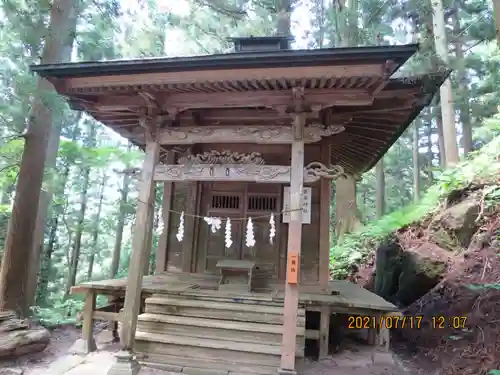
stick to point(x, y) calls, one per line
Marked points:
point(18, 337)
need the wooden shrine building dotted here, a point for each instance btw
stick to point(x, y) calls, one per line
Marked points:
point(246, 145)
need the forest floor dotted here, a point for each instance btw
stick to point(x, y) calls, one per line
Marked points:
point(57, 351)
point(351, 361)
point(469, 292)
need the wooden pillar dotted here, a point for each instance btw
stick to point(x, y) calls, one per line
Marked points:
point(149, 230)
point(162, 251)
point(325, 190)
point(189, 224)
point(289, 342)
point(134, 281)
point(87, 343)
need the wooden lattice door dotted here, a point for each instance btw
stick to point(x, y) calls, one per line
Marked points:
point(264, 253)
point(223, 205)
point(236, 205)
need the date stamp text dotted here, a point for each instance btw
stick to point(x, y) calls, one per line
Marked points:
point(402, 322)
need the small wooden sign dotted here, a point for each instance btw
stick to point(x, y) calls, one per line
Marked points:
point(306, 205)
point(293, 269)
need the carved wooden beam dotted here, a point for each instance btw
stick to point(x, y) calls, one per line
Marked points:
point(222, 157)
point(264, 98)
point(243, 134)
point(243, 172)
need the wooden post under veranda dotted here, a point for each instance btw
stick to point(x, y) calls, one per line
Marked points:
point(128, 318)
point(289, 342)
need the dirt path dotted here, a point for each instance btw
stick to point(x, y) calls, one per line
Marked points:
point(352, 361)
point(61, 340)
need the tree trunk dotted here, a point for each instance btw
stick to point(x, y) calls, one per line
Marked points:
point(5, 216)
point(416, 161)
point(284, 10)
point(34, 263)
point(352, 36)
point(440, 138)
point(95, 233)
point(430, 152)
point(447, 111)
point(76, 248)
point(115, 262)
point(43, 207)
point(496, 9)
point(43, 283)
point(463, 85)
point(44, 204)
point(380, 189)
point(77, 242)
point(346, 210)
point(19, 243)
point(341, 35)
point(46, 263)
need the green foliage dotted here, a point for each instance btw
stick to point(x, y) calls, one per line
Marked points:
point(482, 167)
point(62, 311)
point(481, 287)
point(58, 313)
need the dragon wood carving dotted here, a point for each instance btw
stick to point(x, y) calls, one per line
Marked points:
point(226, 166)
point(223, 157)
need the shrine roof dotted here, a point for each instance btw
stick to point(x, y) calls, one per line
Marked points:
point(351, 86)
point(237, 60)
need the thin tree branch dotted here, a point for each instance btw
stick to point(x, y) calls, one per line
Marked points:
point(219, 7)
point(7, 167)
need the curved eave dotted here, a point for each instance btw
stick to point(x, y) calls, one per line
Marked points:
point(370, 134)
point(240, 60)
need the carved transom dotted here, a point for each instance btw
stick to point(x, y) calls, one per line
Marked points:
point(245, 134)
point(224, 157)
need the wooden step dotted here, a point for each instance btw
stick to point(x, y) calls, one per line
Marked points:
point(149, 344)
point(263, 299)
point(216, 329)
point(195, 366)
point(219, 310)
point(234, 305)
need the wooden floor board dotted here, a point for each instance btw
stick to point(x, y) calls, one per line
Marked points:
point(215, 329)
point(205, 349)
point(341, 293)
point(162, 361)
point(230, 315)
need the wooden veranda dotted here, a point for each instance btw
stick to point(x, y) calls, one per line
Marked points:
point(241, 136)
point(191, 306)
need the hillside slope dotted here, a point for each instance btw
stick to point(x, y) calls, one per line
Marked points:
point(440, 260)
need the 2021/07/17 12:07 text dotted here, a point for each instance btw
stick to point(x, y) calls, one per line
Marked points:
point(412, 322)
